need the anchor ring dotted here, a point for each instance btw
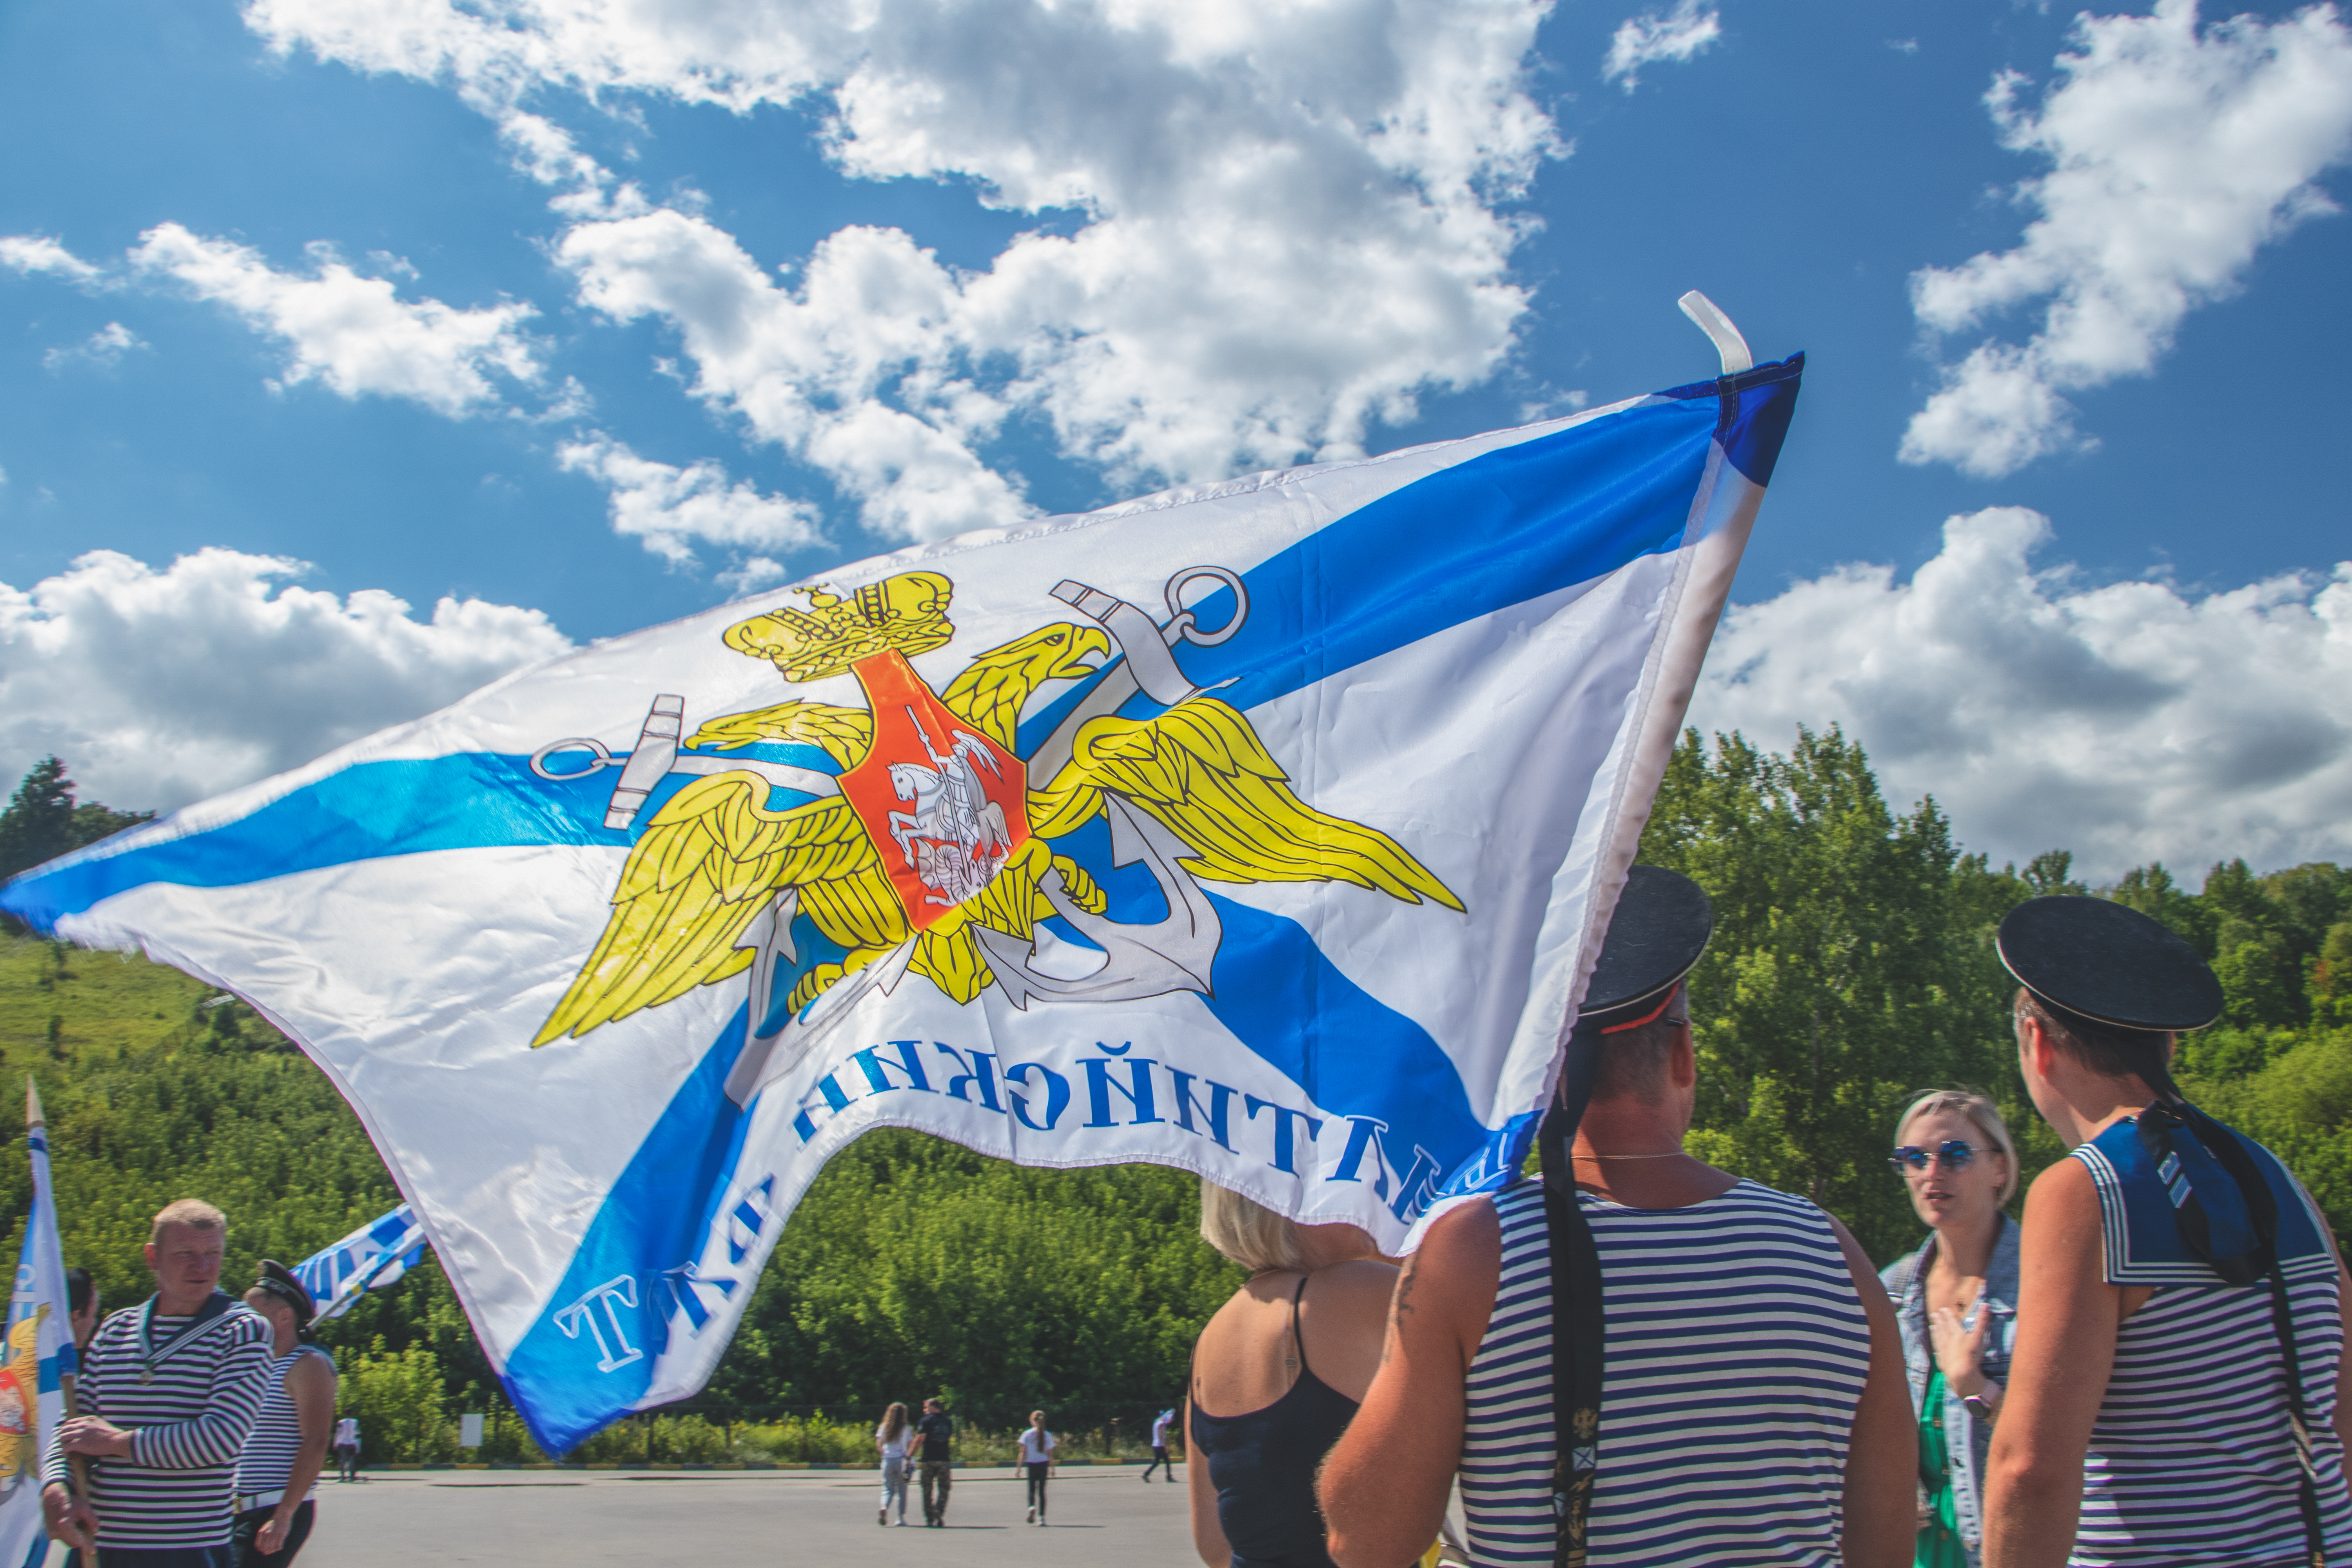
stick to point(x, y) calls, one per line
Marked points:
point(604, 759)
point(1182, 624)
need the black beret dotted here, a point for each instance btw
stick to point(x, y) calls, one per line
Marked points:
point(1661, 926)
point(279, 1281)
point(2108, 962)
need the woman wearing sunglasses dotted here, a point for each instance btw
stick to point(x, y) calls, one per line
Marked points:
point(1955, 1300)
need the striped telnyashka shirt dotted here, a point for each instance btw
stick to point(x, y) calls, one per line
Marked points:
point(1737, 1351)
point(190, 1394)
point(267, 1461)
point(2192, 1459)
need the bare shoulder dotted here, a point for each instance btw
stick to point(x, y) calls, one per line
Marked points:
point(311, 1371)
point(2066, 1187)
point(1467, 1234)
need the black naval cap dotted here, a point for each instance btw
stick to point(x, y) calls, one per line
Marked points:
point(2108, 962)
point(279, 1281)
point(1660, 927)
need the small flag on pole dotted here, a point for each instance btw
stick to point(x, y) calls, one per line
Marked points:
point(1266, 829)
point(375, 1255)
point(38, 1359)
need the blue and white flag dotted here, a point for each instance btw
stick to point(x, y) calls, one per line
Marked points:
point(38, 1357)
point(1265, 829)
point(377, 1254)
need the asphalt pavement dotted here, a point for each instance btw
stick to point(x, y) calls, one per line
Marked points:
point(722, 1519)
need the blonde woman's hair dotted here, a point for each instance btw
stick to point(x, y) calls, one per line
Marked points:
point(1983, 1114)
point(894, 1421)
point(1253, 1236)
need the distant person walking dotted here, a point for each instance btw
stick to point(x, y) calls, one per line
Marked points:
point(1037, 1446)
point(1160, 1460)
point(347, 1449)
point(169, 1390)
point(938, 1454)
point(891, 1439)
point(278, 1468)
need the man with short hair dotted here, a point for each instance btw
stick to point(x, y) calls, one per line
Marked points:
point(938, 1432)
point(1746, 1406)
point(2177, 1391)
point(169, 1391)
point(278, 1468)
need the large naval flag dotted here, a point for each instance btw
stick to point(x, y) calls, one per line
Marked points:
point(1265, 829)
point(37, 1360)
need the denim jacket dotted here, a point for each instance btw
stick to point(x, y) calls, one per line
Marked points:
point(1967, 1439)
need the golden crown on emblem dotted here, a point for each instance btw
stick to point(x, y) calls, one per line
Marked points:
point(907, 612)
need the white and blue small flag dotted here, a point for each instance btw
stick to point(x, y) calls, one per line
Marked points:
point(36, 1359)
point(1267, 828)
point(374, 1256)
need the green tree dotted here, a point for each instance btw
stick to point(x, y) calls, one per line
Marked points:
point(1852, 966)
point(400, 1402)
point(42, 820)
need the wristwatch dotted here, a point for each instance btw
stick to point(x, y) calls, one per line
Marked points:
point(1981, 1408)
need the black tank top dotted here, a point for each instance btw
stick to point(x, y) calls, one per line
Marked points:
point(1263, 1466)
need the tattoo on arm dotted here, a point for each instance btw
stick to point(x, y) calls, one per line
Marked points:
point(1399, 1305)
point(1402, 1302)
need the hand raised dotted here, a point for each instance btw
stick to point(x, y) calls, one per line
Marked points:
point(1960, 1346)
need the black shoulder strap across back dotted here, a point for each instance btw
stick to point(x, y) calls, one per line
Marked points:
point(1578, 1328)
point(2157, 1126)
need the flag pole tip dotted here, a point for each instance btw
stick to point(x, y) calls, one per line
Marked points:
point(1718, 326)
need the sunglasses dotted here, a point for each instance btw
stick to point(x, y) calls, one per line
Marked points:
point(1956, 1154)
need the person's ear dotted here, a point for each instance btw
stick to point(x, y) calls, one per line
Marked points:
point(2033, 1048)
point(1682, 1058)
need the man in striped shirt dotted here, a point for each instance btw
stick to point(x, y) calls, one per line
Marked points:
point(1751, 1411)
point(168, 1390)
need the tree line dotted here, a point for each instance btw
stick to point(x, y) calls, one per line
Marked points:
point(1852, 965)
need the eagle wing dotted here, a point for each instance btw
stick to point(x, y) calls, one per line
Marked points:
point(845, 733)
point(696, 877)
point(1200, 768)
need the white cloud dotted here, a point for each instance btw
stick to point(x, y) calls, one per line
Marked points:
point(1289, 216)
point(668, 508)
point(2175, 153)
point(353, 332)
point(162, 687)
point(31, 253)
point(1674, 36)
point(2128, 722)
point(104, 347)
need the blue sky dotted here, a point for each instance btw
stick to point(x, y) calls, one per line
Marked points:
point(586, 317)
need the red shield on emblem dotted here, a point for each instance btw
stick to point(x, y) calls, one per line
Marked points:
point(945, 806)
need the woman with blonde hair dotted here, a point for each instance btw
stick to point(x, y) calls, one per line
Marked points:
point(1956, 1300)
point(1287, 1362)
point(890, 1438)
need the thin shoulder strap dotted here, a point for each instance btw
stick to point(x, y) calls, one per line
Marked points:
point(1296, 1337)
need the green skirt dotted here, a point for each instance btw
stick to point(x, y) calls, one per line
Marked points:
point(1940, 1545)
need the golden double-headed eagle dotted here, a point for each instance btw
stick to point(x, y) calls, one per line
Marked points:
point(714, 856)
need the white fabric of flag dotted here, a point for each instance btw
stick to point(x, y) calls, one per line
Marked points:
point(378, 1254)
point(1266, 829)
point(39, 1356)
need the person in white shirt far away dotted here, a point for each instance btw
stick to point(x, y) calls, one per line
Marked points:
point(1038, 1448)
point(1159, 1459)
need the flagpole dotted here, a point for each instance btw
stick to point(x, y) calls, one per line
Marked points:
point(77, 1463)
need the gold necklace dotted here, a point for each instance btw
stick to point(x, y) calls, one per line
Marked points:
point(1669, 1154)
